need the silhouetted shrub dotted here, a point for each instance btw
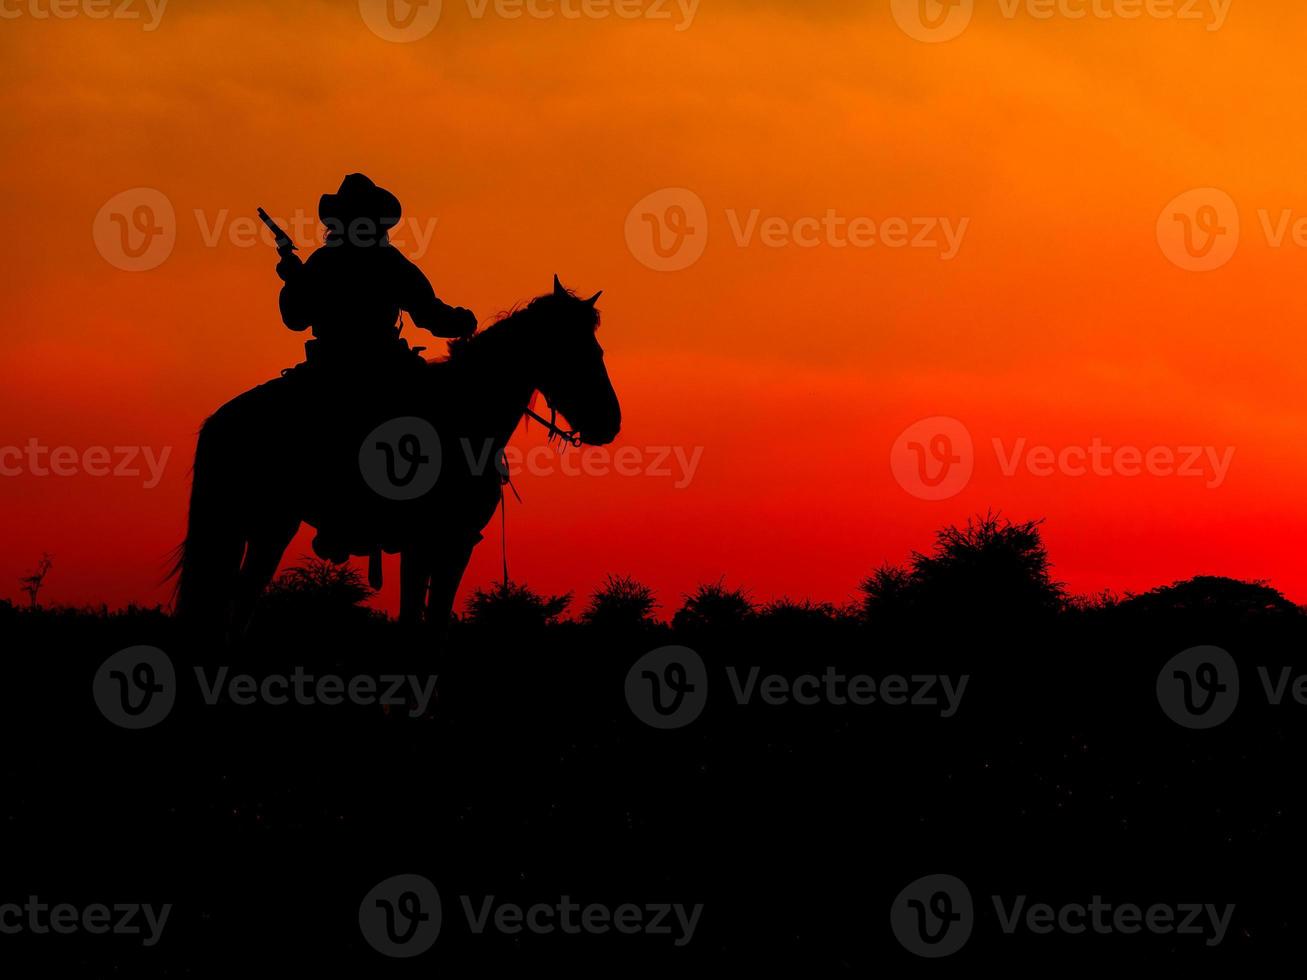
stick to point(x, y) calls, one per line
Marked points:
point(1213, 594)
point(791, 614)
point(621, 603)
point(885, 593)
point(319, 590)
point(510, 605)
point(989, 572)
point(714, 607)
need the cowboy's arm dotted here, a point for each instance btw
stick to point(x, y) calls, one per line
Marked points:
point(296, 296)
point(428, 311)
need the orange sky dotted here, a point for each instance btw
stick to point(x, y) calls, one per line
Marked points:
point(522, 144)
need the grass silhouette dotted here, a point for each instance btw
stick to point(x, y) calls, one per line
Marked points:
point(530, 777)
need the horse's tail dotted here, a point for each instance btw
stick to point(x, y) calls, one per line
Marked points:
point(208, 561)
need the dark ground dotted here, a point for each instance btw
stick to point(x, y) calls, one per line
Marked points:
point(531, 778)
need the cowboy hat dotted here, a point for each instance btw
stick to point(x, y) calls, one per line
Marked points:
point(359, 199)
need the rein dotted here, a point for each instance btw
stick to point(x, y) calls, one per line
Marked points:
point(556, 431)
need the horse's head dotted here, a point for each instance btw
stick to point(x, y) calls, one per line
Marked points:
point(570, 369)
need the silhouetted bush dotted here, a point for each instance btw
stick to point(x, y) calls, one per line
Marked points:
point(513, 606)
point(621, 603)
point(1208, 593)
point(317, 589)
point(714, 607)
point(791, 614)
point(885, 593)
point(989, 572)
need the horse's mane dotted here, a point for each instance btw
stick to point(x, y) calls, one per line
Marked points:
point(518, 317)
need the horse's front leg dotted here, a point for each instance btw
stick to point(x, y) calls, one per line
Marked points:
point(267, 544)
point(447, 567)
point(414, 579)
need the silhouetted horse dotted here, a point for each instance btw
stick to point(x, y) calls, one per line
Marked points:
point(259, 469)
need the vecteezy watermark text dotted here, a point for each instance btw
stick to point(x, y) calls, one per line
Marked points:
point(136, 230)
point(668, 230)
point(402, 917)
point(935, 21)
point(668, 688)
point(934, 917)
point(137, 688)
point(122, 462)
point(406, 21)
point(121, 919)
point(149, 11)
point(935, 458)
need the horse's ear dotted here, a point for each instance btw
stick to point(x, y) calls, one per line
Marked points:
point(595, 298)
point(558, 287)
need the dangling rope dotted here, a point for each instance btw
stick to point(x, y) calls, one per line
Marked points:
point(505, 481)
point(568, 436)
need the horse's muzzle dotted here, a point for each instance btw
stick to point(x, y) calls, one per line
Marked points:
point(598, 437)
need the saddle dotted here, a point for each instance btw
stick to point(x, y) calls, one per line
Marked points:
point(348, 392)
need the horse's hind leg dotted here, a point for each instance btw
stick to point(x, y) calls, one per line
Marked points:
point(262, 556)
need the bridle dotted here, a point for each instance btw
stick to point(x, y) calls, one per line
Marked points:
point(555, 430)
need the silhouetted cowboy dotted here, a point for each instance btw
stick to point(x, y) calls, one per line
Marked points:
point(351, 292)
point(352, 289)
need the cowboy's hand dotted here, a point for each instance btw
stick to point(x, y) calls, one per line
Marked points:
point(465, 322)
point(289, 267)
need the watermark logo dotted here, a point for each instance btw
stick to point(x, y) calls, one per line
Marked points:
point(136, 688)
point(668, 229)
point(120, 462)
point(679, 464)
point(136, 230)
point(933, 459)
point(148, 11)
point(400, 917)
point(1199, 230)
point(412, 235)
point(404, 21)
point(413, 691)
point(1199, 688)
point(668, 687)
point(933, 917)
point(573, 918)
point(122, 919)
point(932, 21)
point(401, 21)
point(400, 459)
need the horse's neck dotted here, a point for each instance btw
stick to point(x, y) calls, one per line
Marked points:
point(499, 384)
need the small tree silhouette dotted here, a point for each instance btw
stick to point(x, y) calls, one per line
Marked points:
point(991, 564)
point(886, 592)
point(621, 603)
point(714, 607)
point(989, 570)
point(510, 605)
point(31, 584)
